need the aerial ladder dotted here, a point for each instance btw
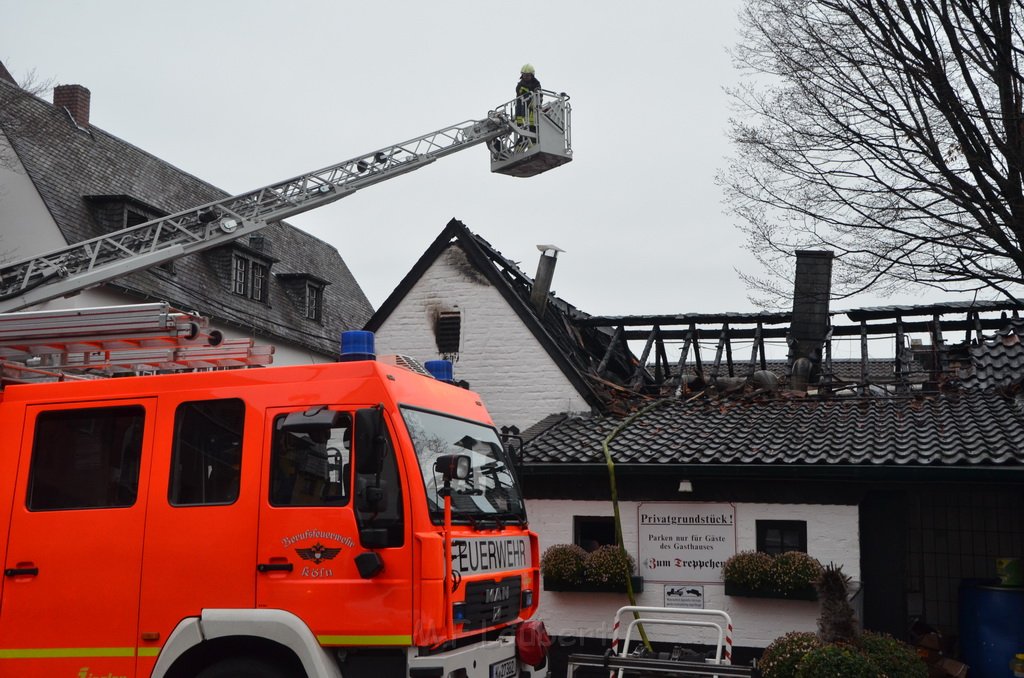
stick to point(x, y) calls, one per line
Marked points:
point(515, 151)
point(155, 337)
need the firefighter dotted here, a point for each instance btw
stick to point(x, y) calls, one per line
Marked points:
point(527, 85)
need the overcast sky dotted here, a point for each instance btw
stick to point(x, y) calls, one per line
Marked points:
point(244, 93)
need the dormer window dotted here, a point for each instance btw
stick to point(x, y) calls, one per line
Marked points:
point(115, 212)
point(306, 291)
point(249, 277)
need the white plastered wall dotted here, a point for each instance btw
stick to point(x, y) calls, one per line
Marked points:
point(26, 227)
point(832, 537)
point(499, 357)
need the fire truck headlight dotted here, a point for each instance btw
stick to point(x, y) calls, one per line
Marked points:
point(527, 599)
point(459, 613)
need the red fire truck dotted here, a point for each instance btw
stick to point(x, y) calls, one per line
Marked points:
point(355, 518)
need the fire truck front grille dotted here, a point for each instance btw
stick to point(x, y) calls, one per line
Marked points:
point(490, 602)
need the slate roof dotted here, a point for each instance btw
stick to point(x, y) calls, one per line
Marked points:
point(576, 350)
point(76, 169)
point(967, 429)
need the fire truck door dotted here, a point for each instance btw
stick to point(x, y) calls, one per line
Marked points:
point(70, 598)
point(201, 521)
point(309, 540)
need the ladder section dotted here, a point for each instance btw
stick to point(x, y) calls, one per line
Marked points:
point(91, 262)
point(103, 341)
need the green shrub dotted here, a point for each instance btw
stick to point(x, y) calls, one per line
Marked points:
point(563, 563)
point(893, 658)
point(836, 661)
point(748, 568)
point(782, 656)
point(607, 565)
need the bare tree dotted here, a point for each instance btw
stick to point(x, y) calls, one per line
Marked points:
point(890, 132)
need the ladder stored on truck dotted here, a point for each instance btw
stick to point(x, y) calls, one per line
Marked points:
point(515, 151)
point(106, 341)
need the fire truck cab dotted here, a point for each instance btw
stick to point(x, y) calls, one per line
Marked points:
point(351, 519)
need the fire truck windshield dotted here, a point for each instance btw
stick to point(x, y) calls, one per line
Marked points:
point(490, 493)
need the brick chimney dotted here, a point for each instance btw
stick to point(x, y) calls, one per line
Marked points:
point(75, 99)
point(812, 288)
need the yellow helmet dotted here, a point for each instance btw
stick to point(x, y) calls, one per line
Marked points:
point(527, 68)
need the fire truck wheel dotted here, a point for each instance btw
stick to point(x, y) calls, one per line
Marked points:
point(243, 667)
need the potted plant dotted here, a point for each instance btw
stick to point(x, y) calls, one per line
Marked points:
point(562, 566)
point(568, 567)
point(760, 575)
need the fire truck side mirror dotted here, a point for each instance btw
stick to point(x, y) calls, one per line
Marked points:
point(370, 441)
point(369, 565)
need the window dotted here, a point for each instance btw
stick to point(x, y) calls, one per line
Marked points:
point(447, 333)
point(133, 218)
point(310, 468)
point(259, 282)
point(249, 277)
point(207, 452)
point(491, 489)
point(240, 275)
point(779, 536)
point(86, 458)
point(314, 301)
point(591, 532)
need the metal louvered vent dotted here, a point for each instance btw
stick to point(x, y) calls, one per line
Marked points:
point(405, 361)
point(448, 332)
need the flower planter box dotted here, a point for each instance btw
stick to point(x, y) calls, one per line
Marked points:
point(587, 587)
point(799, 594)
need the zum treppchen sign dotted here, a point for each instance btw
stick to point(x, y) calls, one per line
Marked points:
point(685, 542)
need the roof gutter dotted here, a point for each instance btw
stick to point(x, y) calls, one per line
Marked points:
point(790, 471)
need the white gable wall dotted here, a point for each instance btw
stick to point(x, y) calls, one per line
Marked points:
point(498, 356)
point(832, 537)
point(28, 229)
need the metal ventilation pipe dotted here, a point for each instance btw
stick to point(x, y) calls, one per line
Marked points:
point(545, 274)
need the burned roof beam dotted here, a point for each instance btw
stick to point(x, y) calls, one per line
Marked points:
point(616, 338)
point(885, 312)
point(686, 319)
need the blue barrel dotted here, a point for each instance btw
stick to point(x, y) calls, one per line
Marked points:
point(991, 626)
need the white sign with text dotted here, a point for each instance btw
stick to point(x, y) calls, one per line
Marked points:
point(689, 596)
point(685, 542)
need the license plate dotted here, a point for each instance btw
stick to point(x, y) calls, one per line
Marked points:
point(506, 668)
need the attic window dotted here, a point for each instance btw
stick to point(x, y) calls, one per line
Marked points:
point(249, 277)
point(314, 301)
point(448, 331)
